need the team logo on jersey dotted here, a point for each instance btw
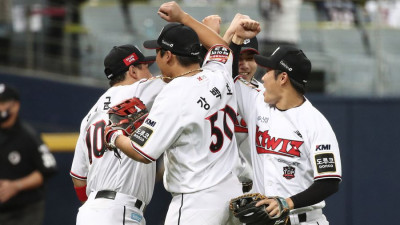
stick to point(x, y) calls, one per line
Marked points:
point(323, 147)
point(219, 54)
point(325, 163)
point(14, 157)
point(141, 135)
point(288, 172)
point(266, 144)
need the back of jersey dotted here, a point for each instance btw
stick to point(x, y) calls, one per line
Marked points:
point(192, 121)
point(103, 170)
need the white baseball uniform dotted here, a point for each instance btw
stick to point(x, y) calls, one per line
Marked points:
point(245, 169)
point(133, 181)
point(289, 149)
point(192, 123)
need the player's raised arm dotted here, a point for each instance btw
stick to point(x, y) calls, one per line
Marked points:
point(213, 22)
point(172, 12)
point(246, 29)
point(232, 27)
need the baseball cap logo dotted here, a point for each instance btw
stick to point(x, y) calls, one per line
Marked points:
point(285, 65)
point(166, 43)
point(130, 59)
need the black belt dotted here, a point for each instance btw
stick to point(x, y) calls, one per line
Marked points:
point(111, 195)
point(302, 218)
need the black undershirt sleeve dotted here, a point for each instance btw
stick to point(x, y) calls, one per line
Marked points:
point(236, 53)
point(317, 192)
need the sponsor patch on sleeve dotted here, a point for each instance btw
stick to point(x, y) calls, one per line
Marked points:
point(325, 163)
point(219, 54)
point(141, 135)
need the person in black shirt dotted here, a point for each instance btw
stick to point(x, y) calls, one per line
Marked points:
point(25, 165)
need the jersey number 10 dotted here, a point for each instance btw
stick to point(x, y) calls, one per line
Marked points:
point(94, 143)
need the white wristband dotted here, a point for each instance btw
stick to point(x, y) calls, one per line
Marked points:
point(114, 137)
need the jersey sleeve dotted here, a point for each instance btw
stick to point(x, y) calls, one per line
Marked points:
point(219, 55)
point(247, 94)
point(79, 168)
point(324, 151)
point(149, 89)
point(162, 126)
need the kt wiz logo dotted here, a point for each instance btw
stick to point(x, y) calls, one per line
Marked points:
point(266, 144)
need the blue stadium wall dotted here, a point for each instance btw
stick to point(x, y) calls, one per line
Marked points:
point(367, 130)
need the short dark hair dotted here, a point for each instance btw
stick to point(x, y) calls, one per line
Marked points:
point(184, 60)
point(300, 88)
point(117, 78)
point(121, 76)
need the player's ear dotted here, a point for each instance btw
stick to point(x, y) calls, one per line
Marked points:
point(169, 55)
point(132, 72)
point(284, 77)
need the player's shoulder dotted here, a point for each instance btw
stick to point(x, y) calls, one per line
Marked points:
point(312, 116)
point(152, 79)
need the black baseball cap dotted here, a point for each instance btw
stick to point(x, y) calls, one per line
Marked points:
point(250, 45)
point(289, 59)
point(179, 39)
point(8, 93)
point(121, 57)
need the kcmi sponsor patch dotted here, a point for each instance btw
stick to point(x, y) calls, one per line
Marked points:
point(141, 135)
point(325, 163)
point(220, 54)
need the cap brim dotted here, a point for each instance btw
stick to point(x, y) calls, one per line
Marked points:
point(264, 61)
point(245, 49)
point(151, 44)
point(148, 60)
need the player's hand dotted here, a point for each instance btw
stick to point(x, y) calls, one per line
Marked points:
point(247, 28)
point(171, 12)
point(235, 23)
point(213, 22)
point(273, 207)
point(8, 189)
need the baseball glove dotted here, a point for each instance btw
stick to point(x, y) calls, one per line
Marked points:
point(125, 118)
point(244, 208)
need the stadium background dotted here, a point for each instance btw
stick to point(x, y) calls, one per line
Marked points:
point(57, 66)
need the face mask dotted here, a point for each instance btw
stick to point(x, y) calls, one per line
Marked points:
point(4, 115)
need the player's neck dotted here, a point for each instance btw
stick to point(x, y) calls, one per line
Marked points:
point(290, 101)
point(184, 72)
point(187, 71)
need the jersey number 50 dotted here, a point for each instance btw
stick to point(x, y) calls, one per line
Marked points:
point(217, 132)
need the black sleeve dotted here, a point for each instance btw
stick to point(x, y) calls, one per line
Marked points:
point(317, 192)
point(236, 53)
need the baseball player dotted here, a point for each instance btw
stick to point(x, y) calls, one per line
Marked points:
point(245, 67)
point(192, 121)
point(294, 150)
point(115, 188)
